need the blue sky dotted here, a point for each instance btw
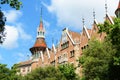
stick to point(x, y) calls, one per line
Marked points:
point(21, 25)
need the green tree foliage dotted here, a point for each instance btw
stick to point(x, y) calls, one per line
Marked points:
point(46, 73)
point(4, 72)
point(9, 74)
point(14, 73)
point(12, 3)
point(113, 35)
point(68, 71)
point(2, 28)
point(96, 59)
point(63, 72)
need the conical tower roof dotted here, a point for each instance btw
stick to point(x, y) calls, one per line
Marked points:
point(40, 42)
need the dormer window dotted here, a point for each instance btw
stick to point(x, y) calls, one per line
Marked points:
point(65, 45)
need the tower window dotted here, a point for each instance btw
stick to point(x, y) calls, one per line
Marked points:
point(38, 33)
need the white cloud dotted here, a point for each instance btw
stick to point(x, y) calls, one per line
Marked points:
point(70, 12)
point(11, 37)
point(14, 32)
point(12, 15)
point(23, 35)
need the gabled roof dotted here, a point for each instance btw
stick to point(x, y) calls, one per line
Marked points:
point(94, 26)
point(75, 36)
point(72, 38)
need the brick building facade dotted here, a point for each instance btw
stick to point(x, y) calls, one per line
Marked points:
point(68, 50)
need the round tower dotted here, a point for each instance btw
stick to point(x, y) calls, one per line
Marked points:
point(39, 46)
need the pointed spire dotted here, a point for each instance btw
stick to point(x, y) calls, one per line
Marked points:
point(41, 29)
point(41, 15)
point(41, 22)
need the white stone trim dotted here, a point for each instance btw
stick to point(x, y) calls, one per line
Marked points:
point(96, 21)
point(70, 36)
point(48, 53)
point(54, 49)
point(42, 56)
point(110, 18)
point(86, 32)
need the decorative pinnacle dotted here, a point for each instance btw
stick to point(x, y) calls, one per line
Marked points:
point(106, 6)
point(94, 14)
point(83, 21)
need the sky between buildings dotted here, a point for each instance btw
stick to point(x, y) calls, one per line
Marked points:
point(21, 25)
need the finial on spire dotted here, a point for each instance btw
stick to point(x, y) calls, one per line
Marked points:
point(93, 14)
point(106, 6)
point(83, 21)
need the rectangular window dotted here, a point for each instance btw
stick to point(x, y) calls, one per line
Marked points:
point(23, 70)
point(59, 58)
point(72, 53)
point(28, 69)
